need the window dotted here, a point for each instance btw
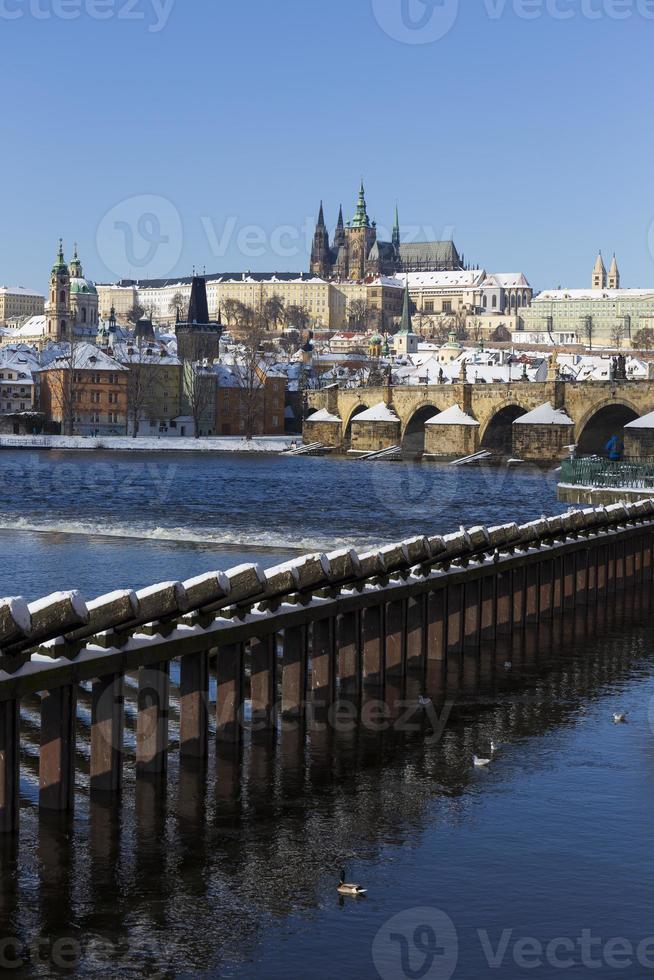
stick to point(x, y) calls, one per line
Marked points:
point(429, 306)
point(95, 397)
point(447, 306)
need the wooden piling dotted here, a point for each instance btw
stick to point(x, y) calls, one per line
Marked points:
point(348, 649)
point(194, 705)
point(294, 671)
point(152, 720)
point(263, 681)
point(9, 766)
point(372, 646)
point(57, 752)
point(395, 640)
point(323, 660)
point(229, 692)
point(107, 727)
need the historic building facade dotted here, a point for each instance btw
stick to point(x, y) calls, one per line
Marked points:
point(603, 315)
point(356, 252)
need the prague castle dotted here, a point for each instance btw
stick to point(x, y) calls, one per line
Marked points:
point(356, 253)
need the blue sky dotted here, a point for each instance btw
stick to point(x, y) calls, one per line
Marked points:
point(205, 134)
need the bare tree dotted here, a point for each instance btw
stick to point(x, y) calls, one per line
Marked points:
point(273, 312)
point(644, 339)
point(232, 310)
point(617, 335)
point(298, 317)
point(136, 313)
point(140, 357)
point(589, 331)
point(358, 314)
point(250, 372)
point(178, 305)
point(199, 382)
point(66, 383)
point(501, 334)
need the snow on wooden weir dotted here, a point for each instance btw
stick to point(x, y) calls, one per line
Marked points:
point(312, 631)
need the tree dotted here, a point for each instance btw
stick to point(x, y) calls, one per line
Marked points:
point(298, 317)
point(199, 383)
point(589, 331)
point(140, 357)
point(250, 372)
point(644, 339)
point(358, 314)
point(273, 312)
point(177, 305)
point(231, 309)
point(617, 335)
point(501, 334)
point(66, 384)
point(136, 313)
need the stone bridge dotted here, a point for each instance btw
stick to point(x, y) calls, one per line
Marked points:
point(596, 411)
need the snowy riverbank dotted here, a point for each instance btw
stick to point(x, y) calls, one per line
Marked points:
point(225, 444)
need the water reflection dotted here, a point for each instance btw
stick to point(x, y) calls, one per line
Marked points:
point(190, 873)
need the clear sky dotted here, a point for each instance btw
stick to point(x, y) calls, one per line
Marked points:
point(163, 134)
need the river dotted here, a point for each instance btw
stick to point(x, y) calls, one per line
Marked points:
point(540, 864)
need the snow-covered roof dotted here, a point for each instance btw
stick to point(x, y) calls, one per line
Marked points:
point(84, 357)
point(324, 416)
point(378, 413)
point(35, 326)
point(545, 415)
point(645, 422)
point(452, 416)
point(507, 280)
point(558, 295)
point(460, 278)
point(20, 291)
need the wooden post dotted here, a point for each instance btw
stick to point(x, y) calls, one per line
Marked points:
point(545, 589)
point(415, 633)
point(57, 754)
point(323, 660)
point(107, 727)
point(294, 671)
point(436, 625)
point(581, 578)
point(504, 607)
point(372, 647)
point(347, 643)
point(229, 692)
point(194, 705)
point(601, 569)
point(152, 720)
point(569, 580)
point(454, 619)
point(9, 766)
point(619, 565)
point(472, 613)
point(263, 681)
point(532, 590)
point(518, 585)
point(557, 586)
point(395, 637)
point(488, 607)
point(591, 575)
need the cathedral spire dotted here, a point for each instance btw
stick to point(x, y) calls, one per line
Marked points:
point(60, 262)
point(396, 231)
point(361, 219)
point(321, 217)
point(339, 235)
point(75, 264)
point(320, 255)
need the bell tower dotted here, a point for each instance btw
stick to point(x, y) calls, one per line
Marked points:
point(320, 254)
point(361, 235)
point(57, 311)
point(599, 273)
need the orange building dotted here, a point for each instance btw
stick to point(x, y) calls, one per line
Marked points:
point(263, 401)
point(84, 391)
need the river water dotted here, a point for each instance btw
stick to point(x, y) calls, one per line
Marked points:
point(540, 864)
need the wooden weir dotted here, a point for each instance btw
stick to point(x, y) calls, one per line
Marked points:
point(314, 629)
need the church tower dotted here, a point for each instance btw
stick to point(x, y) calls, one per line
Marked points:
point(320, 255)
point(614, 274)
point(361, 235)
point(599, 273)
point(57, 310)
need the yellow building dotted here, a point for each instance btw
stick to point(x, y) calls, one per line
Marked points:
point(16, 301)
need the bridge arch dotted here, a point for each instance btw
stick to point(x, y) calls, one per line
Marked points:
point(497, 435)
point(413, 433)
point(347, 426)
point(601, 423)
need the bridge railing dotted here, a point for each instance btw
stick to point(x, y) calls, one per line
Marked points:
point(594, 471)
point(319, 627)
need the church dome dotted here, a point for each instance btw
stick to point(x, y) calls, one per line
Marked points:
point(82, 286)
point(376, 339)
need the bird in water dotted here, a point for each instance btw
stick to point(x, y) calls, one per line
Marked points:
point(480, 763)
point(345, 888)
point(619, 719)
point(424, 702)
point(508, 665)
